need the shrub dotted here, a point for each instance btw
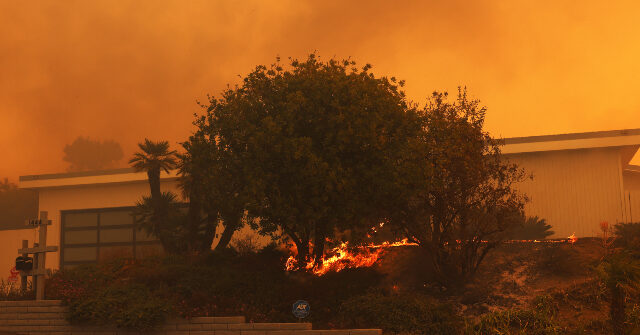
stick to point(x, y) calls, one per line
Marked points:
point(104, 294)
point(559, 259)
point(125, 305)
point(135, 294)
point(515, 321)
point(546, 305)
point(245, 245)
point(627, 235)
point(633, 318)
point(531, 228)
point(620, 272)
point(399, 314)
point(10, 291)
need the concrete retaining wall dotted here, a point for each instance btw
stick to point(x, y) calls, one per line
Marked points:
point(47, 318)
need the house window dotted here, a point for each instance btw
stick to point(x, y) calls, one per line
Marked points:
point(89, 236)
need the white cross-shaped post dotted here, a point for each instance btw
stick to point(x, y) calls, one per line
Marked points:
point(39, 252)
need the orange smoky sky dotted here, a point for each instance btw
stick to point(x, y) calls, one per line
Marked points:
point(126, 70)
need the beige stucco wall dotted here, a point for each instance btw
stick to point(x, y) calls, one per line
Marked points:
point(87, 197)
point(55, 200)
point(574, 190)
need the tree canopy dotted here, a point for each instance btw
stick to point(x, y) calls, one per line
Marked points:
point(85, 154)
point(468, 202)
point(16, 205)
point(310, 147)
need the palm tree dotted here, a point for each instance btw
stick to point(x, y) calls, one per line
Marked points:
point(157, 213)
point(154, 157)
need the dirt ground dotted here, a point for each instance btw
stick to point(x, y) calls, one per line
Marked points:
point(516, 276)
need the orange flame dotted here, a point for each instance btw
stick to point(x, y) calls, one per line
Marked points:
point(344, 258)
point(365, 256)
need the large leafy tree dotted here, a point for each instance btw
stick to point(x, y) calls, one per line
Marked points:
point(87, 154)
point(309, 149)
point(468, 202)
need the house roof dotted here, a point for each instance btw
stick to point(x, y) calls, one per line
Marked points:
point(86, 178)
point(632, 168)
point(597, 139)
point(628, 138)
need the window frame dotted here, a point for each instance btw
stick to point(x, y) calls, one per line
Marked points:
point(133, 243)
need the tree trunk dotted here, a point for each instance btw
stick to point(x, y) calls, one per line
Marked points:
point(210, 230)
point(229, 228)
point(154, 183)
point(318, 247)
point(194, 218)
point(303, 252)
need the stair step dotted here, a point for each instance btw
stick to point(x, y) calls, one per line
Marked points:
point(32, 309)
point(85, 331)
point(31, 303)
point(217, 319)
point(235, 326)
point(27, 322)
point(31, 316)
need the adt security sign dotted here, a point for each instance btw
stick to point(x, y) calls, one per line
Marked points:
point(301, 309)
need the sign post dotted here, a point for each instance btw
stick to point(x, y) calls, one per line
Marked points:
point(39, 252)
point(23, 277)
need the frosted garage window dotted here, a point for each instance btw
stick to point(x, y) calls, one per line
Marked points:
point(116, 252)
point(113, 218)
point(81, 237)
point(80, 220)
point(116, 235)
point(80, 254)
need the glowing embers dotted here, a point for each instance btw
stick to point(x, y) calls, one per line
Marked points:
point(343, 257)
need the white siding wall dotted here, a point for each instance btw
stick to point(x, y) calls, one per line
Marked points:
point(574, 190)
point(632, 195)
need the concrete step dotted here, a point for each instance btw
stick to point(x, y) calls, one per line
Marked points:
point(217, 332)
point(32, 303)
point(32, 309)
point(31, 316)
point(28, 322)
point(235, 326)
point(217, 319)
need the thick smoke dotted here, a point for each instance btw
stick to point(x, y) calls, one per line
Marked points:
point(125, 70)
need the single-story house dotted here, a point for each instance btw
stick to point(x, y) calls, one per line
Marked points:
point(579, 180)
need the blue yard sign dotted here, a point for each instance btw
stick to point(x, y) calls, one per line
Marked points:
point(301, 309)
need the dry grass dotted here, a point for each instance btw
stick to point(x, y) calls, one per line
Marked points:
point(514, 276)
